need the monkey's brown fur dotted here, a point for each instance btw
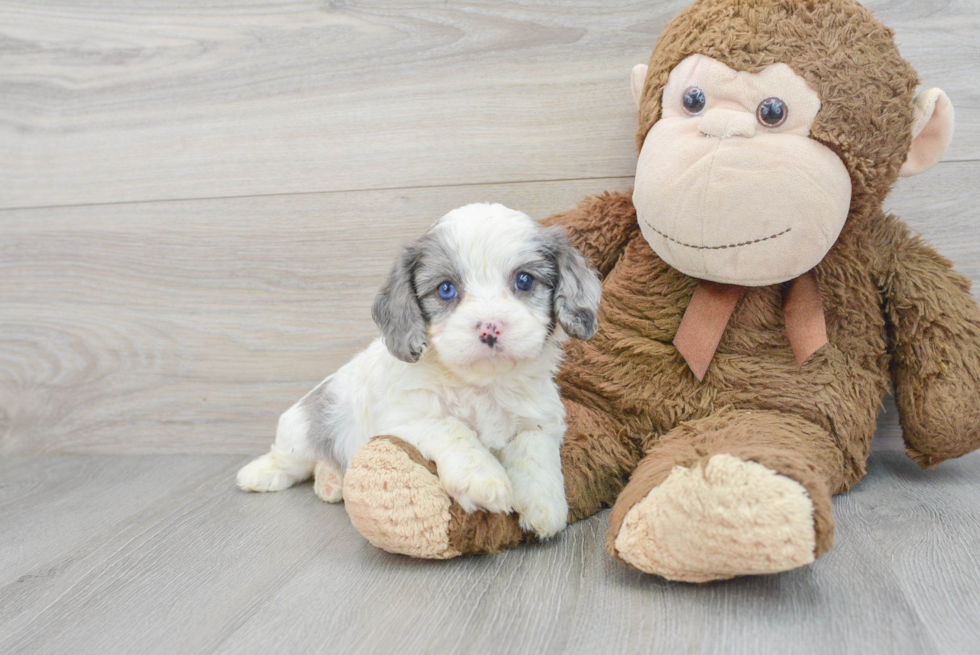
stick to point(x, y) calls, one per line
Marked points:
point(895, 310)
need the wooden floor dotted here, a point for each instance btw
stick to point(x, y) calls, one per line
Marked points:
point(198, 201)
point(160, 554)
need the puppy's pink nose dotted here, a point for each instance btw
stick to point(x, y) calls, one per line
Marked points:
point(489, 332)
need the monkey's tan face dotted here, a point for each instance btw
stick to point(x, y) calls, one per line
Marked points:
point(729, 186)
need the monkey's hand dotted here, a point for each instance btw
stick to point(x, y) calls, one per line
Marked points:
point(935, 339)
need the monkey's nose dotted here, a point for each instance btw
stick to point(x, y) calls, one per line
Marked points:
point(489, 332)
point(724, 123)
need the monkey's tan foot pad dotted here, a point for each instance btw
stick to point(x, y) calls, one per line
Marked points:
point(719, 521)
point(395, 500)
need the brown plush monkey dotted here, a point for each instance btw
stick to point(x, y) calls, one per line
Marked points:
point(757, 303)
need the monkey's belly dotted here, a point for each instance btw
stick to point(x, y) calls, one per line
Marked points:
point(633, 366)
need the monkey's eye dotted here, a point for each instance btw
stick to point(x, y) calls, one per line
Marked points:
point(523, 281)
point(694, 101)
point(772, 112)
point(447, 290)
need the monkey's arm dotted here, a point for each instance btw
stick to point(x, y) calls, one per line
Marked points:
point(934, 326)
point(600, 227)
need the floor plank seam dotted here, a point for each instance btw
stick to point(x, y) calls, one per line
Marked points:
point(281, 584)
point(889, 565)
point(907, 592)
point(451, 185)
point(83, 578)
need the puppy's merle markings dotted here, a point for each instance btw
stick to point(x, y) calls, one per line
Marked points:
point(577, 292)
point(396, 309)
point(437, 262)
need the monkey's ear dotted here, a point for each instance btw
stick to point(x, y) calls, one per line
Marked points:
point(932, 130)
point(637, 80)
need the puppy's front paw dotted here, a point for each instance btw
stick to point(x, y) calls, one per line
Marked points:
point(543, 512)
point(477, 482)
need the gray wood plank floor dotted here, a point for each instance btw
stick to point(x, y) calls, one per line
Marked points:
point(161, 554)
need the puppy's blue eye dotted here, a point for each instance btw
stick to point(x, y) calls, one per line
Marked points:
point(523, 282)
point(447, 290)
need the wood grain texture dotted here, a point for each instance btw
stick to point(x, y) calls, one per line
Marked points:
point(189, 326)
point(160, 554)
point(926, 524)
point(175, 578)
point(145, 100)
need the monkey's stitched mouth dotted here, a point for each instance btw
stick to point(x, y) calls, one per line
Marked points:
point(730, 245)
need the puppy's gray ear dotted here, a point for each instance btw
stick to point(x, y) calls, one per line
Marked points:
point(396, 309)
point(578, 290)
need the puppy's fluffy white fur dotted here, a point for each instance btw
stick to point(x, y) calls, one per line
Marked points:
point(472, 317)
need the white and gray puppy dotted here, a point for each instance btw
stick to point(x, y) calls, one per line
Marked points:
point(472, 320)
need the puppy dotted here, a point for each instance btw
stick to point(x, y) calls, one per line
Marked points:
point(472, 319)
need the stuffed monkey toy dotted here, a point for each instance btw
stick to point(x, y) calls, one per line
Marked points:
point(757, 306)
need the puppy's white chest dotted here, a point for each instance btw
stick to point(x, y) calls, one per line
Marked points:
point(488, 414)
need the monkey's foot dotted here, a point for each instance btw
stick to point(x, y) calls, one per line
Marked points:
point(395, 499)
point(719, 519)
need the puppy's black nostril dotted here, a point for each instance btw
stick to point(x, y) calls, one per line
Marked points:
point(488, 339)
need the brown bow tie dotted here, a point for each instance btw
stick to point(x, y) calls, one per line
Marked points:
point(712, 305)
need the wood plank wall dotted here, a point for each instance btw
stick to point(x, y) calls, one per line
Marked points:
point(198, 200)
